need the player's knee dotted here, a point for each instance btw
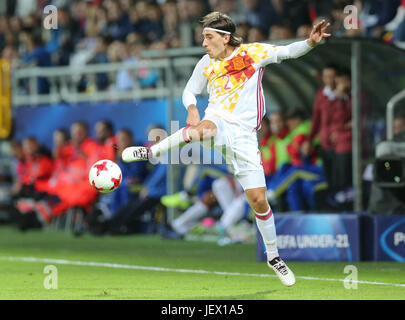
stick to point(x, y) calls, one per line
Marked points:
point(258, 202)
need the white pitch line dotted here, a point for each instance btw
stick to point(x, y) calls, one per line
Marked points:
point(149, 268)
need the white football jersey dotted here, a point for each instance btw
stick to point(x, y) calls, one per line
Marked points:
point(234, 84)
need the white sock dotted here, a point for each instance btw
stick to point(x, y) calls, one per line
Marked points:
point(267, 228)
point(234, 212)
point(190, 218)
point(224, 192)
point(177, 140)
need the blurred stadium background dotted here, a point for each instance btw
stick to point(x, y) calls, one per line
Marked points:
point(112, 70)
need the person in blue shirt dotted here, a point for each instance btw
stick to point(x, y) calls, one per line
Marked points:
point(127, 218)
point(38, 56)
point(132, 176)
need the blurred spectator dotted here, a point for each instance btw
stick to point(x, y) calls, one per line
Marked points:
point(260, 14)
point(301, 177)
point(341, 131)
point(25, 7)
point(322, 114)
point(63, 40)
point(127, 219)
point(36, 54)
point(118, 23)
point(304, 31)
point(399, 28)
point(228, 7)
point(34, 169)
point(294, 13)
point(132, 174)
point(101, 56)
point(72, 188)
point(242, 30)
point(399, 125)
point(280, 32)
point(104, 132)
point(376, 14)
point(20, 167)
point(256, 35)
point(276, 143)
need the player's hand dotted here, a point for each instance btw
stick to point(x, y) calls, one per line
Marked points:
point(318, 33)
point(193, 117)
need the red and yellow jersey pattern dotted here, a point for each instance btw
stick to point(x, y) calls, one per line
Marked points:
point(234, 84)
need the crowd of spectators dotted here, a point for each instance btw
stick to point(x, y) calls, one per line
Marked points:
point(101, 31)
point(97, 31)
point(47, 184)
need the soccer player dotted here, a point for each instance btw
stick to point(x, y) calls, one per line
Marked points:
point(233, 72)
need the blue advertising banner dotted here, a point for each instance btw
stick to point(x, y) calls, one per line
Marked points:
point(41, 121)
point(316, 237)
point(386, 238)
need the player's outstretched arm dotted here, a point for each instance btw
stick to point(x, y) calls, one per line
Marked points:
point(298, 48)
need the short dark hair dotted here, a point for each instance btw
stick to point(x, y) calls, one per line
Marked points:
point(344, 72)
point(331, 66)
point(127, 132)
point(109, 125)
point(223, 22)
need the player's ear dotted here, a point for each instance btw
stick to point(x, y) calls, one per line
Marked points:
point(227, 38)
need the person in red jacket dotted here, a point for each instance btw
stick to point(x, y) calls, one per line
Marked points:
point(341, 131)
point(37, 170)
point(72, 188)
point(38, 166)
point(104, 132)
point(20, 168)
point(322, 114)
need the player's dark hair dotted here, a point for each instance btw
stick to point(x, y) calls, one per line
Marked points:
point(223, 22)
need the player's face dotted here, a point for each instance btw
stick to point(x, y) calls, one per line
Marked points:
point(214, 43)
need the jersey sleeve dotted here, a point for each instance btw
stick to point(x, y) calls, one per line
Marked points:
point(196, 83)
point(276, 54)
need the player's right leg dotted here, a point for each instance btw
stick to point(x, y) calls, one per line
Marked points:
point(206, 129)
point(265, 224)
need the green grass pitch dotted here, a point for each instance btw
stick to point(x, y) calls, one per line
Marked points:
point(149, 268)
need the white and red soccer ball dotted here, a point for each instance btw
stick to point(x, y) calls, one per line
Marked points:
point(105, 176)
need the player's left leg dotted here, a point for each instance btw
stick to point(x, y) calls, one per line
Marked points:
point(265, 223)
point(206, 129)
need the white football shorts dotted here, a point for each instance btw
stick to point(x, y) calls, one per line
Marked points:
point(240, 151)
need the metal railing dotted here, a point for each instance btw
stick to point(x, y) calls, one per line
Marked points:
point(64, 81)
